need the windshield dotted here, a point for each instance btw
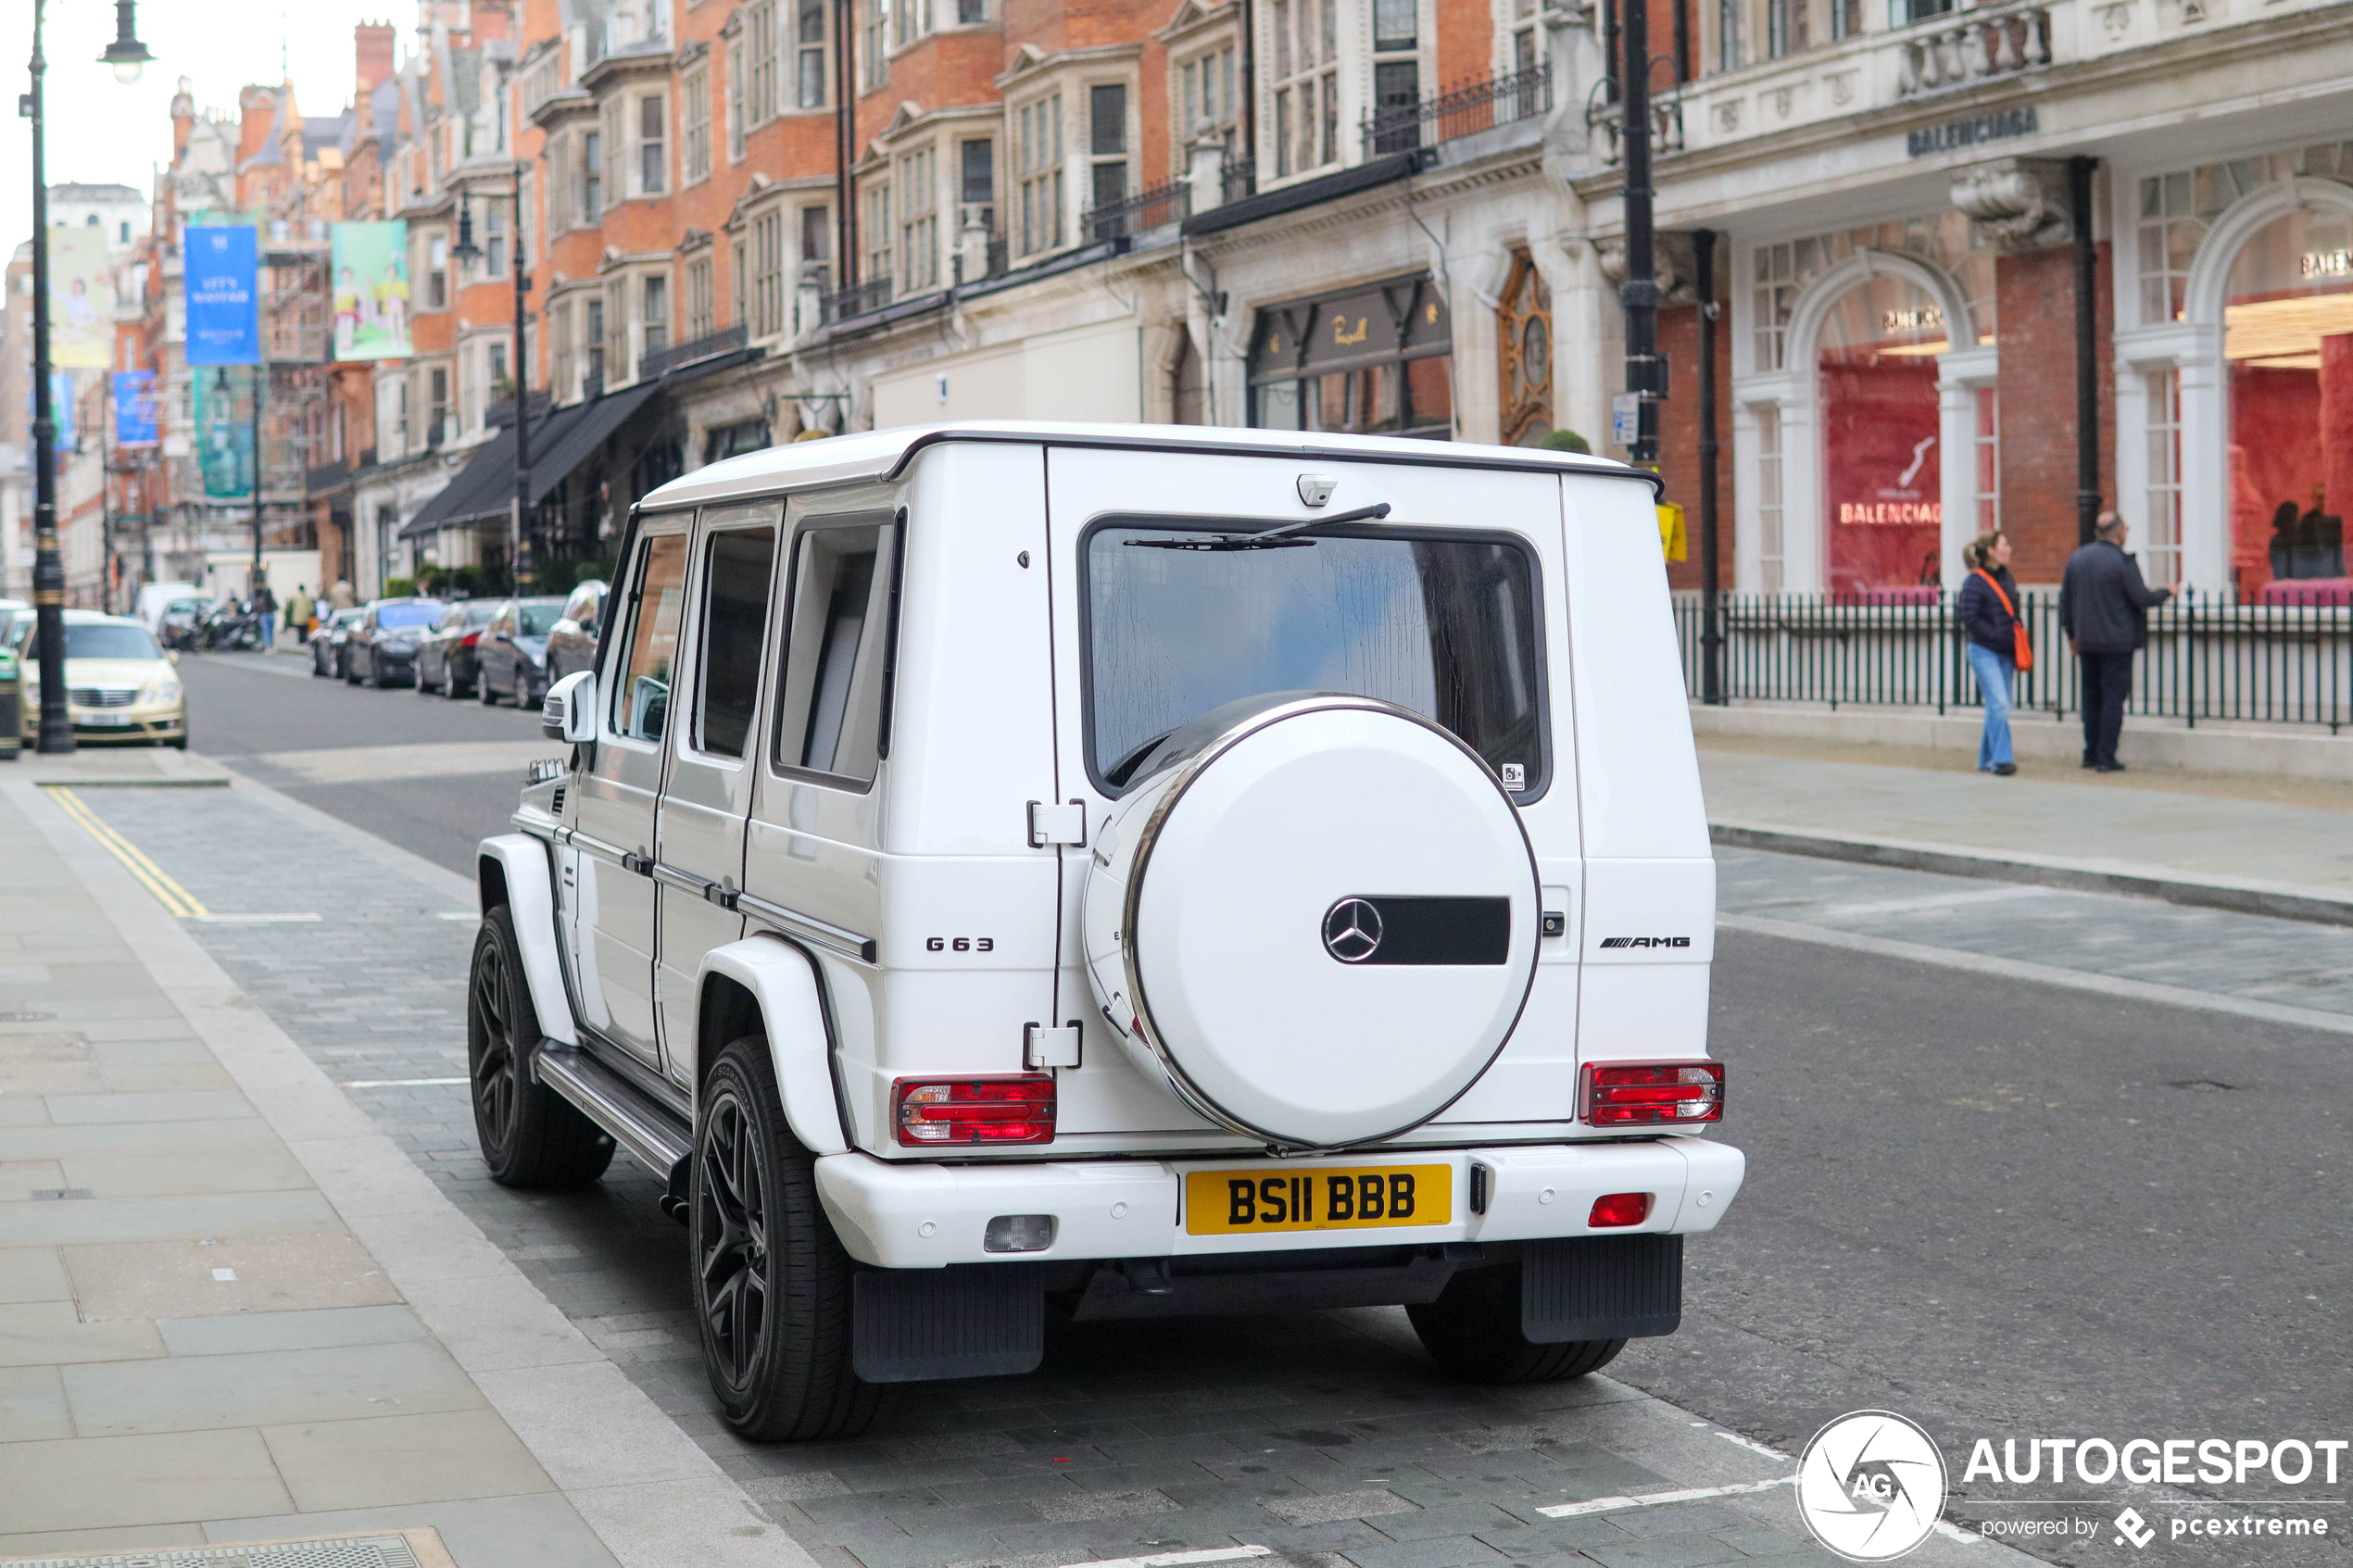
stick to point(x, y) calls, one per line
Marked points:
point(537, 616)
point(420, 613)
point(477, 612)
point(107, 639)
point(1442, 625)
point(184, 607)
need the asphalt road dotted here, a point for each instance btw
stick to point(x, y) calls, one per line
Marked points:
point(259, 713)
point(2003, 1210)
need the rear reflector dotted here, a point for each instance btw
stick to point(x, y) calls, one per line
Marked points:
point(1625, 1094)
point(930, 1111)
point(1619, 1209)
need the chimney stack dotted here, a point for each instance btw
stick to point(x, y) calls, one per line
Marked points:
point(372, 48)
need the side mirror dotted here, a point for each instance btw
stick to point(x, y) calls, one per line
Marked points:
point(569, 711)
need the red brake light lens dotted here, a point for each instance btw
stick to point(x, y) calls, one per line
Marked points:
point(1619, 1209)
point(1654, 1093)
point(927, 1112)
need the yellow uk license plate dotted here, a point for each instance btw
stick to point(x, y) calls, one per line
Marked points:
point(1327, 1199)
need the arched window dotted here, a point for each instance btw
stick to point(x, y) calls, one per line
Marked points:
point(2287, 337)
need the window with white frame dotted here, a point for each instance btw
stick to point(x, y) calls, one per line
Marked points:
point(695, 99)
point(767, 273)
point(817, 239)
point(590, 205)
point(495, 359)
point(494, 239)
point(971, 13)
point(1770, 551)
point(653, 304)
point(919, 220)
point(878, 236)
point(618, 362)
point(734, 103)
point(2161, 551)
point(1037, 154)
point(977, 183)
point(1528, 44)
point(592, 336)
point(808, 54)
point(1106, 144)
point(874, 44)
point(760, 51)
point(911, 20)
point(1205, 102)
point(702, 304)
point(1306, 78)
point(1989, 460)
point(652, 170)
point(1731, 33)
point(739, 281)
point(561, 366)
point(539, 83)
point(1397, 75)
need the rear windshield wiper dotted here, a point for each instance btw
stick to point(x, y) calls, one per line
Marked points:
point(1286, 537)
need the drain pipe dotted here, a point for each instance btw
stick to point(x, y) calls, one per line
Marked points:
point(2087, 376)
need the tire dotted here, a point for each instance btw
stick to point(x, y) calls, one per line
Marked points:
point(178, 742)
point(530, 1136)
point(775, 1321)
point(449, 689)
point(349, 678)
point(1472, 1331)
point(482, 687)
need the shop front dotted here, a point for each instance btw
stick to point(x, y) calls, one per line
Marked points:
point(1373, 361)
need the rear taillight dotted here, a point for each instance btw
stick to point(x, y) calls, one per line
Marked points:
point(1654, 1093)
point(931, 1111)
point(1619, 1209)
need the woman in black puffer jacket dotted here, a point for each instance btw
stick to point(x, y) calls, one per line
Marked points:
point(1988, 614)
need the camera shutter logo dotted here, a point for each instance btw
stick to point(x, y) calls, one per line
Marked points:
point(1352, 930)
point(1870, 1486)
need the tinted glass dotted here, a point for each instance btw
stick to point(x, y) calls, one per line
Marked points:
point(538, 616)
point(107, 641)
point(421, 614)
point(738, 569)
point(641, 697)
point(478, 612)
point(829, 720)
point(1444, 626)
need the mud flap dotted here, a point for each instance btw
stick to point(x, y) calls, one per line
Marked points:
point(1600, 1287)
point(967, 1320)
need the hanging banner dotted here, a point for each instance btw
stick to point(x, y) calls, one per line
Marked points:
point(372, 291)
point(224, 432)
point(224, 310)
point(81, 298)
point(61, 411)
point(134, 408)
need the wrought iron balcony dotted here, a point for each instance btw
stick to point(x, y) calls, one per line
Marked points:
point(862, 300)
point(1154, 209)
point(1459, 111)
point(711, 346)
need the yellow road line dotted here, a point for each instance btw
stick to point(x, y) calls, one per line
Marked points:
point(175, 899)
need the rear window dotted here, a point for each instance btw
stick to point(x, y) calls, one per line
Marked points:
point(107, 640)
point(1443, 625)
point(537, 616)
point(421, 614)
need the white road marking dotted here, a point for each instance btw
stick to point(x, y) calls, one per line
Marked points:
point(459, 914)
point(2044, 974)
point(1754, 1448)
point(399, 1082)
point(1178, 1559)
point(1653, 1499)
point(253, 920)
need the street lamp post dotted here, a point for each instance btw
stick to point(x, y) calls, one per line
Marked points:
point(465, 249)
point(126, 55)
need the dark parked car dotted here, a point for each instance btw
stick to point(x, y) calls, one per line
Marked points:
point(382, 649)
point(327, 643)
point(511, 658)
point(572, 642)
point(446, 655)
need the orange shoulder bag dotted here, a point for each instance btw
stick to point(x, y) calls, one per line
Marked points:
point(2024, 658)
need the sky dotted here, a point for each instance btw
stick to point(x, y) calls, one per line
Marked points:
point(102, 132)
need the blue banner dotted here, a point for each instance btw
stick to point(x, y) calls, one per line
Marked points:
point(224, 310)
point(61, 410)
point(134, 408)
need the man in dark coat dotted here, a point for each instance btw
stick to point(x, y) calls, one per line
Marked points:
point(2104, 609)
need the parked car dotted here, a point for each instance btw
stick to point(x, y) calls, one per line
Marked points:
point(381, 648)
point(180, 624)
point(572, 641)
point(327, 645)
point(1212, 907)
point(157, 600)
point(512, 655)
point(121, 688)
point(446, 661)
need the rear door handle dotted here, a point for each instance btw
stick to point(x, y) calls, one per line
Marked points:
point(642, 865)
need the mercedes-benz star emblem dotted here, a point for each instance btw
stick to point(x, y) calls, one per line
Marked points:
point(1352, 930)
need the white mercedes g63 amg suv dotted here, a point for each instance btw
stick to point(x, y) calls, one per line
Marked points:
point(1121, 871)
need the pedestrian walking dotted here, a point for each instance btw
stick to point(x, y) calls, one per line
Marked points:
point(265, 615)
point(340, 596)
point(299, 613)
point(1998, 648)
point(2104, 609)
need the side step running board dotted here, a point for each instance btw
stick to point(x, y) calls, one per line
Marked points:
point(644, 1128)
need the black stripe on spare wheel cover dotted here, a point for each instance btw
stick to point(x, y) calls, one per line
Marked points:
point(1426, 930)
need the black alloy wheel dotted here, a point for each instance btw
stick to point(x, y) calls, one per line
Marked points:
point(530, 1136)
point(773, 1284)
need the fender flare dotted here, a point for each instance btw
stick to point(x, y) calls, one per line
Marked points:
point(513, 870)
point(786, 986)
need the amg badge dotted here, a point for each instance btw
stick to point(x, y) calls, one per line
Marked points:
point(1646, 941)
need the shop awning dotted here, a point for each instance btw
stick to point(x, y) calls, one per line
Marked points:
point(560, 440)
point(567, 445)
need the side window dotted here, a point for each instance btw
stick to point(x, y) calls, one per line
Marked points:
point(828, 720)
point(738, 570)
point(641, 691)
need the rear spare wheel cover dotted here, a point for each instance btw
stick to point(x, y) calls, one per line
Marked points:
point(1322, 925)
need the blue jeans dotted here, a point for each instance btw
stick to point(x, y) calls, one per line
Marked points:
point(1996, 677)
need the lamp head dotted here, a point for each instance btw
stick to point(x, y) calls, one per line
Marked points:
point(126, 54)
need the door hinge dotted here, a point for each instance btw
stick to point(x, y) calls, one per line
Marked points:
point(1050, 823)
point(1050, 1047)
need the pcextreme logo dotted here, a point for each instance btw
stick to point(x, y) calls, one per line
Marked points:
point(1870, 1486)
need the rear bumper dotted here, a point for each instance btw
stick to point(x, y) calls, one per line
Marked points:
point(920, 1215)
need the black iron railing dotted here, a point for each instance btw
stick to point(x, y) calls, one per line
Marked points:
point(2209, 657)
point(1172, 203)
point(863, 299)
point(1459, 111)
point(711, 346)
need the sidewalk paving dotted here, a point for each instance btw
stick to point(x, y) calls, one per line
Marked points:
point(2261, 843)
point(232, 1310)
